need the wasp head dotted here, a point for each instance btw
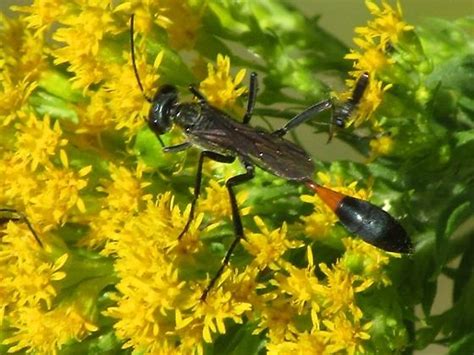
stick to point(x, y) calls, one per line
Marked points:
point(160, 116)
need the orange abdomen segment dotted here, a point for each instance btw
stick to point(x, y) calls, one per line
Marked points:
point(331, 198)
point(370, 222)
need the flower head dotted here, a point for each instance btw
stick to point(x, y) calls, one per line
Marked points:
point(109, 208)
point(47, 331)
point(387, 25)
point(125, 100)
point(215, 202)
point(375, 41)
point(37, 141)
point(302, 285)
point(219, 87)
point(268, 247)
point(28, 272)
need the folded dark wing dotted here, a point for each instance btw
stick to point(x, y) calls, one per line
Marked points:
point(272, 153)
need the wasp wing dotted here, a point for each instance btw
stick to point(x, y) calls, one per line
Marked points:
point(270, 152)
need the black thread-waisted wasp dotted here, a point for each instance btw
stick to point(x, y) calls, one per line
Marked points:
point(223, 139)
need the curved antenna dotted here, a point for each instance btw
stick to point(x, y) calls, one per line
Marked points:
point(135, 70)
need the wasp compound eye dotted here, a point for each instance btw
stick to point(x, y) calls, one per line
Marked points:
point(159, 116)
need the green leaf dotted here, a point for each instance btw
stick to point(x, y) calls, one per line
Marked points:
point(426, 335)
point(56, 107)
point(238, 340)
point(464, 137)
point(464, 270)
point(463, 312)
point(104, 344)
point(458, 216)
point(429, 295)
point(463, 346)
point(447, 226)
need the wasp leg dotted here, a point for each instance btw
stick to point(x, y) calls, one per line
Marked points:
point(195, 91)
point(304, 116)
point(197, 185)
point(177, 148)
point(238, 229)
point(253, 89)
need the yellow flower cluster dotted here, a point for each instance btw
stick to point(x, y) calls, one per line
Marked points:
point(376, 41)
point(105, 225)
point(219, 87)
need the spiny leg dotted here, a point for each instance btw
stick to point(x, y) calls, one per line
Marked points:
point(253, 89)
point(236, 220)
point(197, 185)
point(338, 117)
point(20, 217)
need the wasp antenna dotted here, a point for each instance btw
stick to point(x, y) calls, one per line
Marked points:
point(132, 48)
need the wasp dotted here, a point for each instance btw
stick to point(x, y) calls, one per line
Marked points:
point(223, 139)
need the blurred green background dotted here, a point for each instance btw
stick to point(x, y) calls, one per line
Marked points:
point(340, 17)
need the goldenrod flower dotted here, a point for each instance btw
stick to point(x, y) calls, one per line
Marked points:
point(387, 25)
point(125, 101)
point(366, 261)
point(302, 284)
point(374, 40)
point(210, 315)
point(59, 193)
point(81, 35)
point(42, 13)
point(268, 247)
point(124, 198)
point(340, 291)
point(13, 98)
point(29, 285)
point(219, 88)
point(215, 201)
point(22, 57)
point(343, 336)
point(146, 13)
point(28, 272)
point(277, 317)
point(48, 331)
point(18, 182)
point(381, 146)
point(37, 141)
point(306, 343)
point(79, 162)
point(184, 26)
point(149, 288)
